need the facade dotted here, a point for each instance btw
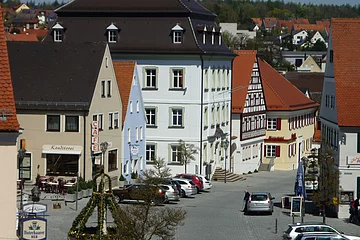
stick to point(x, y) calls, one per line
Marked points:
point(9, 132)
point(299, 37)
point(340, 111)
point(248, 118)
point(309, 65)
point(183, 64)
point(80, 88)
point(290, 120)
point(134, 121)
point(296, 58)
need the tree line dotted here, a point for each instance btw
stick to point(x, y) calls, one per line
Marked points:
point(32, 5)
point(241, 11)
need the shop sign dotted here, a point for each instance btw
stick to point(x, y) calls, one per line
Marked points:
point(35, 208)
point(61, 148)
point(97, 160)
point(296, 205)
point(134, 150)
point(34, 228)
point(94, 136)
point(354, 160)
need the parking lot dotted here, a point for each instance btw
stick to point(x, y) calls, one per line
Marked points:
point(214, 214)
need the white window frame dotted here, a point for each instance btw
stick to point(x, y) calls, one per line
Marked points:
point(129, 135)
point(101, 121)
point(137, 134)
point(103, 89)
point(111, 120)
point(151, 73)
point(131, 106)
point(137, 106)
point(178, 116)
point(152, 113)
point(206, 116)
point(109, 88)
point(174, 149)
point(116, 120)
point(58, 35)
point(271, 124)
point(150, 152)
point(177, 37)
point(141, 133)
point(178, 77)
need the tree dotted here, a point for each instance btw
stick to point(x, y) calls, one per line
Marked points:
point(186, 153)
point(144, 221)
point(231, 41)
point(328, 190)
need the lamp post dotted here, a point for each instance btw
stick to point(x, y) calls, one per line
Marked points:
point(21, 155)
point(225, 145)
point(304, 164)
point(103, 147)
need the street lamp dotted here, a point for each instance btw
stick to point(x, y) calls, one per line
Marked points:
point(21, 155)
point(225, 145)
point(103, 147)
point(304, 161)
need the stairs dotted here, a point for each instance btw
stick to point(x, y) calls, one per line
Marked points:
point(264, 167)
point(219, 175)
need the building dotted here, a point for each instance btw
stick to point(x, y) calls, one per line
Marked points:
point(183, 64)
point(9, 133)
point(134, 120)
point(290, 120)
point(340, 110)
point(248, 114)
point(309, 65)
point(297, 58)
point(75, 86)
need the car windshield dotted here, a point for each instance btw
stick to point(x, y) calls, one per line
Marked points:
point(191, 182)
point(288, 230)
point(207, 178)
point(258, 197)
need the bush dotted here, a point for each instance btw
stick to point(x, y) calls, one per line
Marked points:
point(133, 175)
point(249, 172)
point(122, 178)
point(70, 190)
point(90, 184)
point(256, 171)
point(83, 185)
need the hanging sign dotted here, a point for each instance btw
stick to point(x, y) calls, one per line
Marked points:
point(97, 160)
point(94, 136)
point(134, 150)
point(34, 228)
point(34, 208)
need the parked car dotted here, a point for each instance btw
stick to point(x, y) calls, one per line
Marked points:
point(188, 188)
point(295, 229)
point(320, 236)
point(260, 202)
point(140, 192)
point(195, 179)
point(171, 192)
point(206, 182)
point(174, 183)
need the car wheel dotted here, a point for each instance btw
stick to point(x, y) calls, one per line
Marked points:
point(197, 190)
point(182, 193)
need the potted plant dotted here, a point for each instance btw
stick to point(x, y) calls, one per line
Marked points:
point(90, 185)
point(122, 181)
point(134, 176)
point(84, 189)
point(78, 191)
point(70, 196)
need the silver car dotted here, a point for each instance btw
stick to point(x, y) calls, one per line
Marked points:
point(260, 202)
point(206, 182)
point(188, 188)
point(320, 236)
point(171, 192)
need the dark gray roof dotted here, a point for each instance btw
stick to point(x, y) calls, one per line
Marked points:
point(144, 26)
point(311, 80)
point(52, 76)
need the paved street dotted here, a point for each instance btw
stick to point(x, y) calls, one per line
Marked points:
point(217, 214)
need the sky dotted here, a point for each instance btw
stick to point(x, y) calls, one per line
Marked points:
point(316, 2)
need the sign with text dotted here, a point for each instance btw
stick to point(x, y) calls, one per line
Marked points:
point(34, 228)
point(34, 208)
point(296, 205)
point(97, 160)
point(134, 150)
point(94, 136)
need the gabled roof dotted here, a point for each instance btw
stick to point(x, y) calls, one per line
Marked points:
point(345, 42)
point(280, 94)
point(285, 24)
point(257, 21)
point(7, 102)
point(309, 27)
point(311, 80)
point(21, 37)
point(270, 22)
point(242, 69)
point(63, 76)
point(301, 21)
point(124, 72)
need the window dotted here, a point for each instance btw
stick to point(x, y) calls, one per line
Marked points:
point(206, 117)
point(150, 78)
point(177, 35)
point(271, 123)
point(331, 56)
point(272, 151)
point(71, 123)
point(58, 35)
point(109, 88)
point(150, 152)
point(102, 89)
point(53, 123)
point(220, 38)
point(111, 115)
point(112, 160)
point(101, 122)
point(95, 118)
point(332, 102)
point(177, 117)
point(137, 106)
point(213, 116)
point(137, 133)
point(129, 135)
point(141, 133)
point(175, 153)
point(131, 107)
point(112, 36)
point(213, 79)
point(150, 116)
point(206, 79)
point(116, 120)
point(62, 164)
point(177, 78)
point(204, 35)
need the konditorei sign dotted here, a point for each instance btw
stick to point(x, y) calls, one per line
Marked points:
point(62, 149)
point(34, 228)
point(35, 208)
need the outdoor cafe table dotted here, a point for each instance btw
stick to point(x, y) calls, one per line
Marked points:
point(54, 186)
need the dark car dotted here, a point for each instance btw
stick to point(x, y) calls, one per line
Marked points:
point(195, 179)
point(174, 183)
point(140, 192)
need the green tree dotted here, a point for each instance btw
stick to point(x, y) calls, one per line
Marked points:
point(186, 153)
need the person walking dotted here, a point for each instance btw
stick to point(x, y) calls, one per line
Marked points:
point(246, 199)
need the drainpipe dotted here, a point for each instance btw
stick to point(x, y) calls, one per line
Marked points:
point(230, 119)
point(84, 150)
point(201, 110)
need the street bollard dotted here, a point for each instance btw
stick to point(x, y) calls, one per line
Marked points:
point(276, 223)
point(293, 218)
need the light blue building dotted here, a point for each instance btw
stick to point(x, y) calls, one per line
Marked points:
point(134, 120)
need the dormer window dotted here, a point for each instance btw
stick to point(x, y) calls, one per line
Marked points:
point(220, 33)
point(204, 35)
point(177, 34)
point(58, 32)
point(112, 31)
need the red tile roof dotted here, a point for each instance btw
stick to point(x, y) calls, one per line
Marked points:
point(309, 27)
point(285, 24)
point(280, 94)
point(21, 37)
point(270, 22)
point(7, 102)
point(345, 43)
point(242, 68)
point(257, 21)
point(301, 21)
point(124, 72)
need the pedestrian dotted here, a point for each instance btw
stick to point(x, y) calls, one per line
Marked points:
point(356, 206)
point(246, 199)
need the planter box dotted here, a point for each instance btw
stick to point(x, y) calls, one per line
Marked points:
point(90, 192)
point(85, 193)
point(70, 198)
point(80, 195)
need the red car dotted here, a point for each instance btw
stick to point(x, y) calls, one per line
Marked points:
point(196, 180)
